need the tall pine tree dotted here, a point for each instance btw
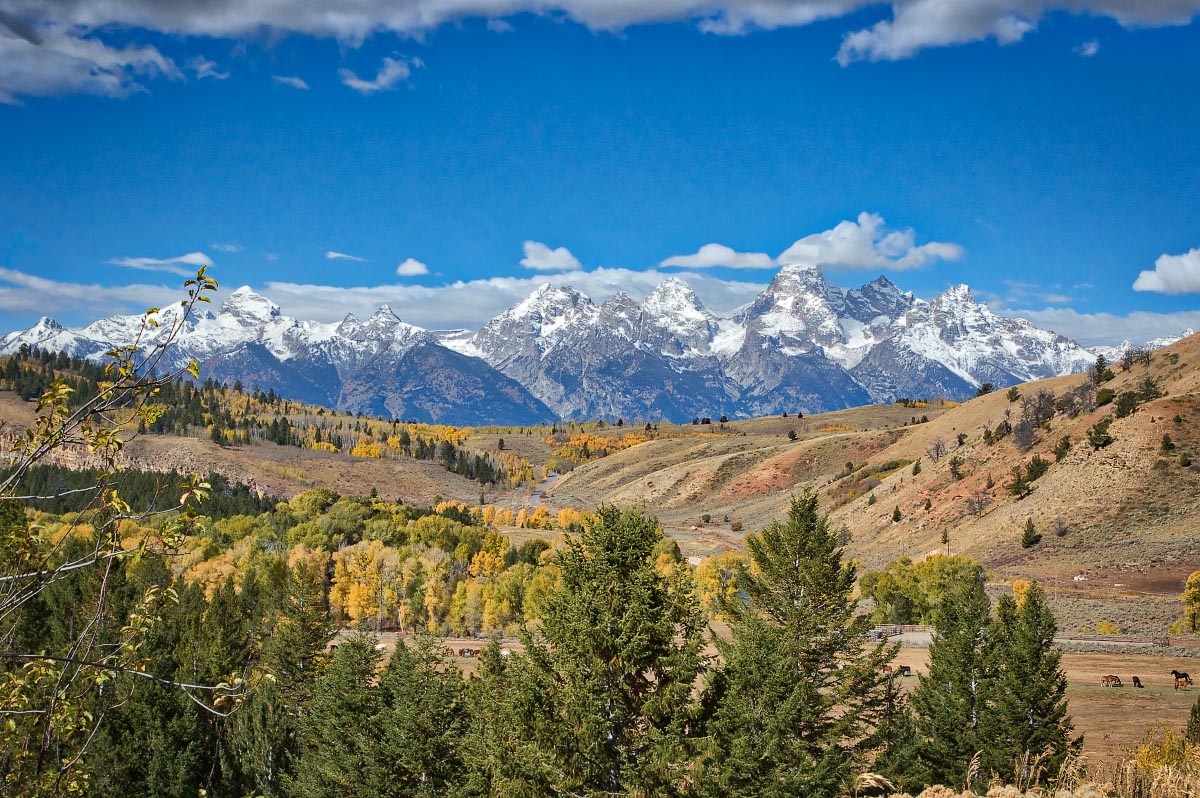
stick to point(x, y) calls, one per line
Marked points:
point(950, 702)
point(339, 738)
point(1028, 725)
point(599, 702)
point(794, 709)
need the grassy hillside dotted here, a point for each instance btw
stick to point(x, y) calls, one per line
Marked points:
point(1130, 509)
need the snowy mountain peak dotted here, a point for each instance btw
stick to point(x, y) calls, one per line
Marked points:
point(672, 295)
point(46, 325)
point(385, 316)
point(250, 306)
point(957, 294)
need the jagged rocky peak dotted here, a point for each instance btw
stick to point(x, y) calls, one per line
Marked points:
point(384, 319)
point(46, 324)
point(621, 304)
point(956, 295)
point(880, 297)
point(246, 304)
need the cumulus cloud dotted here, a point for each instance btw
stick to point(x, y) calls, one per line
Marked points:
point(411, 267)
point(1172, 274)
point(291, 80)
point(866, 244)
point(331, 255)
point(46, 59)
point(206, 69)
point(1088, 49)
point(713, 255)
point(918, 24)
point(391, 73)
point(169, 265)
point(48, 48)
point(541, 258)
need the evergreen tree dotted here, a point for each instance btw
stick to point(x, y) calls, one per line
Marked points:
point(950, 701)
point(795, 707)
point(1192, 732)
point(1028, 721)
point(423, 720)
point(1030, 536)
point(600, 701)
point(262, 743)
point(339, 738)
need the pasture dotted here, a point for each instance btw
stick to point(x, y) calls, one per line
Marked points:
point(1112, 719)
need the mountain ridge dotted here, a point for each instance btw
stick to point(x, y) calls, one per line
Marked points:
point(803, 344)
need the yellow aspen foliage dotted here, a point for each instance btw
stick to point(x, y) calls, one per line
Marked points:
point(466, 607)
point(539, 518)
point(522, 518)
point(504, 517)
point(714, 580)
point(569, 517)
point(365, 448)
point(665, 564)
point(486, 565)
point(323, 446)
point(489, 514)
point(435, 606)
point(1020, 588)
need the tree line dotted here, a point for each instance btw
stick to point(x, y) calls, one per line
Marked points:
point(610, 692)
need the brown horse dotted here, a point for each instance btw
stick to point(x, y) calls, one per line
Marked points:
point(1137, 682)
point(1110, 681)
point(1182, 680)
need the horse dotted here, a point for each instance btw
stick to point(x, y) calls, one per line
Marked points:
point(905, 670)
point(1178, 675)
point(1110, 681)
point(1137, 682)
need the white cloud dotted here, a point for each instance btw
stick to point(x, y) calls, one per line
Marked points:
point(1108, 329)
point(1172, 274)
point(21, 292)
point(169, 265)
point(1088, 49)
point(226, 247)
point(541, 258)
point(50, 49)
point(713, 255)
point(206, 69)
point(499, 26)
point(40, 59)
point(411, 267)
point(471, 304)
point(291, 80)
point(918, 24)
point(866, 244)
point(331, 255)
point(391, 73)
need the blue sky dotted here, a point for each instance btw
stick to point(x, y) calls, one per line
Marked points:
point(459, 154)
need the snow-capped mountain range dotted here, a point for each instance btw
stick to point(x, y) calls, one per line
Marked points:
point(802, 344)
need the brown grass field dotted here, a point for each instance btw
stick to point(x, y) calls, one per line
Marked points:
point(1112, 720)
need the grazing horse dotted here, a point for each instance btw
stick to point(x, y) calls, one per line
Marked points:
point(905, 670)
point(1110, 681)
point(1137, 682)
